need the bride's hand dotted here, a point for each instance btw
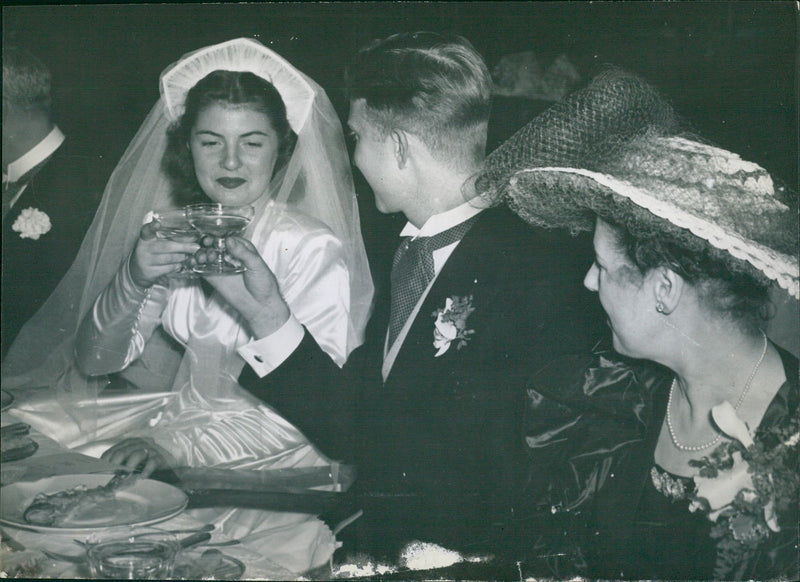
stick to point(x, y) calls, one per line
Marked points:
point(139, 452)
point(155, 257)
point(254, 293)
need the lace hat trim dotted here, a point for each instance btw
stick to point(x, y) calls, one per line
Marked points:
point(777, 266)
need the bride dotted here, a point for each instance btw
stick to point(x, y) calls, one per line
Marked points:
point(236, 124)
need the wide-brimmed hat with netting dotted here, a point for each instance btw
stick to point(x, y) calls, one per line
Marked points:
point(612, 150)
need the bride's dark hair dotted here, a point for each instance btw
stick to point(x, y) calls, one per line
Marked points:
point(226, 87)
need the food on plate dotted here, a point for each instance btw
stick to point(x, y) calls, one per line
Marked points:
point(62, 507)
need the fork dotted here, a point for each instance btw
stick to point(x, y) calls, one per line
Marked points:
point(207, 527)
point(64, 557)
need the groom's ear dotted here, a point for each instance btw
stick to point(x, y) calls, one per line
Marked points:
point(400, 147)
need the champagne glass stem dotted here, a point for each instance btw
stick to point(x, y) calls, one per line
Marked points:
point(221, 252)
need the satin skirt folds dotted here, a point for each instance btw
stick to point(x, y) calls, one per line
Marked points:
point(86, 423)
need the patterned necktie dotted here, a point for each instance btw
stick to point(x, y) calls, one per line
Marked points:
point(10, 190)
point(413, 269)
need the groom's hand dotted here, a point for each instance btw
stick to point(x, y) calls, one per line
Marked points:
point(254, 293)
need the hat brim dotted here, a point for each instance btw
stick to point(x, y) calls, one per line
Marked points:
point(573, 198)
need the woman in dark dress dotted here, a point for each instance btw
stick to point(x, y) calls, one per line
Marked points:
point(680, 445)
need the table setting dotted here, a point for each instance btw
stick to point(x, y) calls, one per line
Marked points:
point(64, 514)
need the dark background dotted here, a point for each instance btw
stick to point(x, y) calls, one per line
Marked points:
point(730, 68)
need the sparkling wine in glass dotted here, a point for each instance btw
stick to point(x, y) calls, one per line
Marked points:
point(173, 224)
point(219, 221)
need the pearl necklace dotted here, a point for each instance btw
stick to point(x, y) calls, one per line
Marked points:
point(693, 448)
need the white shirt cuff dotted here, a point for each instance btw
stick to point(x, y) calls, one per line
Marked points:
point(268, 353)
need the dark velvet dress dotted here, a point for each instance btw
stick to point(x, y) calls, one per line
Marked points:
point(620, 516)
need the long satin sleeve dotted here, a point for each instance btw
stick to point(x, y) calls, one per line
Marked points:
point(122, 319)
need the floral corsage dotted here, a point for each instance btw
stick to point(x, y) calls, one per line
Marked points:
point(32, 223)
point(451, 324)
point(745, 486)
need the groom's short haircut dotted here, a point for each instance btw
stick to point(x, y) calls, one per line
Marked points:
point(434, 86)
point(26, 81)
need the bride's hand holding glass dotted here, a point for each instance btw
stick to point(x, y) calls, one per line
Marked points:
point(155, 257)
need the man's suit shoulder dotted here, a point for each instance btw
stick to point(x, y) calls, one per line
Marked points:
point(79, 177)
point(515, 241)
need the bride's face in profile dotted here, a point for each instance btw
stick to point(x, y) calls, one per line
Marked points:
point(234, 149)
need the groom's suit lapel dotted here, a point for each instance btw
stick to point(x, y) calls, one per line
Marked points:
point(460, 276)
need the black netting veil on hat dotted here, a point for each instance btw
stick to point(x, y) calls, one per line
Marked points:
point(587, 126)
point(615, 150)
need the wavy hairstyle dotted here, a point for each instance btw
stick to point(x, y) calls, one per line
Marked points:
point(227, 88)
point(434, 86)
point(26, 81)
point(739, 294)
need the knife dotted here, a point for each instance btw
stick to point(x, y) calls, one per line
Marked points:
point(290, 480)
point(307, 501)
point(194, 539)
point(16, 429)
point(22, 448)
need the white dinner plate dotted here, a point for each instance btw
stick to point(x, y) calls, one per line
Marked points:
point(6, 400)
point(144, 503)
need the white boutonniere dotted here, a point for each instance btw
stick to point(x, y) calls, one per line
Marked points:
point(451, 324)
point(32, 223)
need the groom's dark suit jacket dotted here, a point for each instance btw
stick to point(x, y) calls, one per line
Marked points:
point(439, 445)
point(67, 188)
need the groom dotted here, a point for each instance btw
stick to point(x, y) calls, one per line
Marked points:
point(430, 406)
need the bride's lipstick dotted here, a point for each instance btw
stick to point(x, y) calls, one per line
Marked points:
point(230, 183)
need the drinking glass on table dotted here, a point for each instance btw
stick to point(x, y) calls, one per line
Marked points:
point(173, 224)
point(140, 554)
point(219, 221)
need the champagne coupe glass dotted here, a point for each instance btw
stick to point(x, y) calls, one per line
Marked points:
point(173, 224)
point(219, 221)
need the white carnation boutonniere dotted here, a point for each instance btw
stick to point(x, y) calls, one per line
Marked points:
point(451, 324)
point(32, 223)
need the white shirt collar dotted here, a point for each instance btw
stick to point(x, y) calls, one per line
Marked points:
point(34, 156)
point(443, 221)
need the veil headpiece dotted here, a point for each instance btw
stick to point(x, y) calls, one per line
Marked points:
point(316, 181)
point(240, 55)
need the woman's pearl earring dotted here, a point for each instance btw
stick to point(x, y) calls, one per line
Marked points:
point(660, 307)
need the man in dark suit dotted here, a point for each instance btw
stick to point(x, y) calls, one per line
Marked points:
point(430, 406)
point(50, 193)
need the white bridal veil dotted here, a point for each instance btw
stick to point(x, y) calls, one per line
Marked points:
point(316, 181)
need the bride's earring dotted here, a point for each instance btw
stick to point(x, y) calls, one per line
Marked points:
point(660, 307)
